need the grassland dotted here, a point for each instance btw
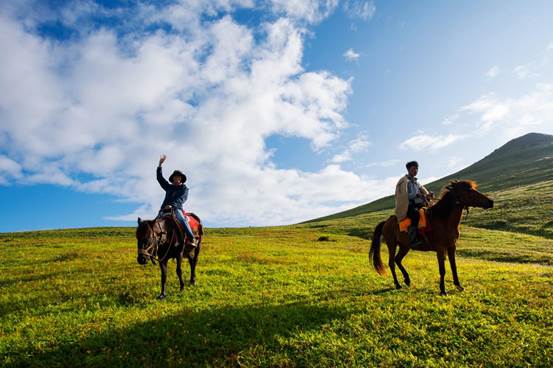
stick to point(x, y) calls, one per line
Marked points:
point(273, 297)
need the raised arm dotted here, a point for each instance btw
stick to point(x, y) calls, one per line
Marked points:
point(161, 180)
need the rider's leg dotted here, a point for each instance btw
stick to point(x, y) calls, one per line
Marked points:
point(184, 221)
point(413, 214)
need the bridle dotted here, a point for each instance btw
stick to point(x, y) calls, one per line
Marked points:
point(154, 242)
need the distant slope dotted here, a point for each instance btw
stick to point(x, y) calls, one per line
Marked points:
point(520, 162)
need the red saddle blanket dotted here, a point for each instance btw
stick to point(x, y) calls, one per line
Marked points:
point(193, 221)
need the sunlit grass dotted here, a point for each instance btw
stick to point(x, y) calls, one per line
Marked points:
point(271, 297)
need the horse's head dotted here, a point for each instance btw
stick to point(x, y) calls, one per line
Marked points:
point(466, 194)
point(145, 237)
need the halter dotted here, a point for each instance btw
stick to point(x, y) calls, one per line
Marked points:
point(153, 245)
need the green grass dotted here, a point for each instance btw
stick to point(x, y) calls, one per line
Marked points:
point(273, 297)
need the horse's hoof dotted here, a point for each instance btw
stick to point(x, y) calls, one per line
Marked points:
point(182, 287)
point(408, 282)
point(192, 282)
point(398, 286)
point(162, 296)
point(460, 288)
point(443, 293)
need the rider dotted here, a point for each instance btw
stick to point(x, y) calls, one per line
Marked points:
point(176, 194)
point(410, 197)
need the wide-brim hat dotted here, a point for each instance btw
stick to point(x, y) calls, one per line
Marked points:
point(177, 172)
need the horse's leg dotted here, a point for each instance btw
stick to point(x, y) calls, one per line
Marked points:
point(163, 267)
point(193, 261)
point(392, 263)
point(441, 264)
point(453, 265)
point(179, 270)
point(402, 253)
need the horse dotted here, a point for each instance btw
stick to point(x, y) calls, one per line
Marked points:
point(444, 218)
point(158, 240)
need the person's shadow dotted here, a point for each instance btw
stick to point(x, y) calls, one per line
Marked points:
point(189, 338)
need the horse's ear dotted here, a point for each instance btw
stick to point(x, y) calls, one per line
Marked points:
point(139, 220)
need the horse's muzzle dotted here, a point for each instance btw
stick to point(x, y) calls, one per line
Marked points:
point(489, 204)
point(141, 259)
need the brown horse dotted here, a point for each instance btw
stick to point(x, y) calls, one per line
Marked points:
point(158, 241)
point(443, 218)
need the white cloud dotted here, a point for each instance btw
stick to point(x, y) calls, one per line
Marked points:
point(362, 9)
point(106, 105)
point(385, 163)
point(9, 169)
point(524, 71)
point(422, 142)
point(514, 116)
point(493, 72)
point(450, 120)
point(357, 145)
point(351, 55)
point(309, 10)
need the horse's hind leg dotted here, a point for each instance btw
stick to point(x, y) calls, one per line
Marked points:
point(179, 271)
point(392, 264)
point(193, 261)
point(401, 254)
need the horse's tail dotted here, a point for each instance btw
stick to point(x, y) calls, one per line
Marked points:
point(374, 252)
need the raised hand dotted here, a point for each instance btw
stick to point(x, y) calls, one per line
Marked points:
point(162, 159)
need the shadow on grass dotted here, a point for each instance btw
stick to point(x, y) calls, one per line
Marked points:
point(190, 338)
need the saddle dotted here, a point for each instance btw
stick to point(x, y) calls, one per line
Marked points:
point(193, 221)
point(423, 221)
point(424, 229)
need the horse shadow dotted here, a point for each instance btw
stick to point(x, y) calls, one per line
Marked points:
point(188, 338)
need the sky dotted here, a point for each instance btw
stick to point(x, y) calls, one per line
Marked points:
point(278, 111)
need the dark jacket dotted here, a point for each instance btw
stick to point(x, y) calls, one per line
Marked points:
point(175, 195)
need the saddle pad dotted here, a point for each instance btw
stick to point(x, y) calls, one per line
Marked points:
point(404, 224)
point(194, 224)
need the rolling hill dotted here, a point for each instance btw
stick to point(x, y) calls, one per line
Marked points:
point(518, 175)
point(283, 297)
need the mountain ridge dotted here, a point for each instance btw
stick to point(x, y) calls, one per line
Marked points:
point(524, 160)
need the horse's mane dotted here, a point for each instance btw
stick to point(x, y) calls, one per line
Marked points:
point(446, 203)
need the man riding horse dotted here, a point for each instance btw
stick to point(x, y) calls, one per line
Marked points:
point(176, 193)
point(410, 197)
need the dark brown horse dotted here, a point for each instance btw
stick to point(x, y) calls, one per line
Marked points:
point(444, 218)
point(158, 241)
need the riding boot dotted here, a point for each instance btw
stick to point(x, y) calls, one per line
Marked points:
point(413, 237)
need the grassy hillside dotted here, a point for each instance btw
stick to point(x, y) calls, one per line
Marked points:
point(272, 297)
point(521, 162)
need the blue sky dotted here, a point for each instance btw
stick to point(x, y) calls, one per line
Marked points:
point(278, 111)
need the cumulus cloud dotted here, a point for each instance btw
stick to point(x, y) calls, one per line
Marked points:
point(207, 91)
point(351, 55)
point(422, 142)
point(309, 10)
point(361, 9)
